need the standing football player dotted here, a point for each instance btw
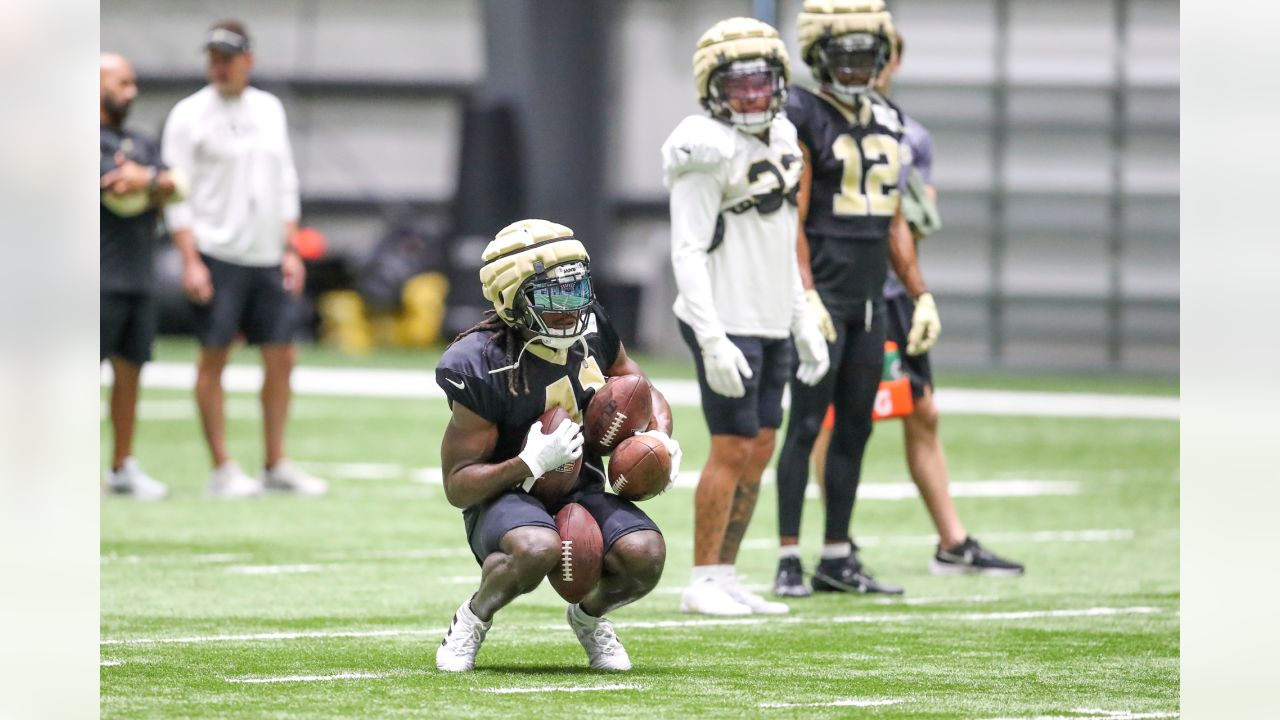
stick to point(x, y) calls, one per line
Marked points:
point(851, 229)
point(957, 553)
point(733, 175)
point(546, 343)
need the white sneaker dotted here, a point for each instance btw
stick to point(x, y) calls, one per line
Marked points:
point(457, 652)
point(229, 481)
point(598, 639)
point(131, 479)
point(708, 597)
point(287, 477)
point(757, 604)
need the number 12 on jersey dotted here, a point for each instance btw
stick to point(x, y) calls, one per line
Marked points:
point(875, 191)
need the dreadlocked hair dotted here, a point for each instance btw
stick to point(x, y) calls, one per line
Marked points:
point(511, 345)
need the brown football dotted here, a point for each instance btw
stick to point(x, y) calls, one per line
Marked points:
point(556, 483)
point(581, 553)
point(619, 409)
point(640, 468)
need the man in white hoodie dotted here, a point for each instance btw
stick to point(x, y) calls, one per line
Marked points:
point(733, 174)
point(238, 268)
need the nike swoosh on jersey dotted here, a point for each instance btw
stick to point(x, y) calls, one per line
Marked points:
point(460, 385)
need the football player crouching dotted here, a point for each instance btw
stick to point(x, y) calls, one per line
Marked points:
point(733, 174)
point(546, 343)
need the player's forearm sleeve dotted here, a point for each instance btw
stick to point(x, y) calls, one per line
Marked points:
point(178, 153)
point(695, 204)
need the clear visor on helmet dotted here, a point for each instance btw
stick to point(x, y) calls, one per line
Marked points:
point(748, 93)
point(853, 60)
point(557, 302)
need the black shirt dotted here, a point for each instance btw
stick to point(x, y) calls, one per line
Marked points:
point(127, 244)
point(855, 156)
point(464, 375)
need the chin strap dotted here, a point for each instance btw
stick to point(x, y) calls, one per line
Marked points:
point(581, 340)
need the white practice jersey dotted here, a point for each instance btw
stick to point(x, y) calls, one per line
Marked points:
point(244, 186)
point(733, 228)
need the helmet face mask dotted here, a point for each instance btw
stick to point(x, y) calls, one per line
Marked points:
point(851, 62)
point(555, 304)
point(747, 93)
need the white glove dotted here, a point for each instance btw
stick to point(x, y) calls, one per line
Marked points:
point(825, 325)
point(812, 349)
point(673, 449)
point(726, 366)
point(925, 326)
point(544, 452)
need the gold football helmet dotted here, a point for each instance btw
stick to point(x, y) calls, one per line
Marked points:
point(538, 277)
point(741, 71)
point(846, 43)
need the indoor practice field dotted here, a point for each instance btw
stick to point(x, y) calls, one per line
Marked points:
point(287, 607)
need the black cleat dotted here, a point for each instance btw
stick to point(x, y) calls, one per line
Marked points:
point(970, 558)
point(789, 582)
point(848, 575)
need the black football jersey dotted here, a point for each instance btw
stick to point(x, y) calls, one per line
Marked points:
point(856, 157)
point(566, 378)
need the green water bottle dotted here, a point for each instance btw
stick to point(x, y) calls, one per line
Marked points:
point(892, 361)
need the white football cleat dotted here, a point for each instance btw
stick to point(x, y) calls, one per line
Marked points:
point(457, 651)
point(708, 597)
point(598, 639)
point(289, 478)
point(229, 481)
point(131, 479)
point(758, 605)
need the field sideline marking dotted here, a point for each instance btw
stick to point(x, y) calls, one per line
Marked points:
point(309, 678)
point(1041, 536)
point(554, 688)
point(848, 702)
point(391, 383)
point(664, 624)
point(1084, 714)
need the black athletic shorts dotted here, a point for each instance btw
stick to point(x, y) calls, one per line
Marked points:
point(916, 366)
point(488, 522)
point(128, 326)
point(246, 299)
point(761, 405)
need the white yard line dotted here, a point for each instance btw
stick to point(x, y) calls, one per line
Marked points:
point(310, 678)
point(369, 382)
point(276, 569)
point(110, 663)
point(848, 702)
point(665, 624)
point(1125, 714)
point(555, 688)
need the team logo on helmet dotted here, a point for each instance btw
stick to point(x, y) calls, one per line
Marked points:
point(537, 275)
point(846, 43)
point(741, 71)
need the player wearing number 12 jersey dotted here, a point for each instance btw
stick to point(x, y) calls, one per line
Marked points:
point(851, 229)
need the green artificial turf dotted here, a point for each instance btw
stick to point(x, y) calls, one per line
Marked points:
point(1092, 626)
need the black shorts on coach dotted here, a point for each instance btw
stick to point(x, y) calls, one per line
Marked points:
point(760, 406)
point(246, 299)
point(127, 324)
point(917, 367)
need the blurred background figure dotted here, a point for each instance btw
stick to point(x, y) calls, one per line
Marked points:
point(957, 552)
point(135, 184)
point(238, 268)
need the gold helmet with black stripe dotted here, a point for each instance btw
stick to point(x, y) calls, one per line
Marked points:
point(741, 71)
point(538, 277)
point(846, 43)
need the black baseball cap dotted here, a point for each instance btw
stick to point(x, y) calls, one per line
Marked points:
point(228, 38)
